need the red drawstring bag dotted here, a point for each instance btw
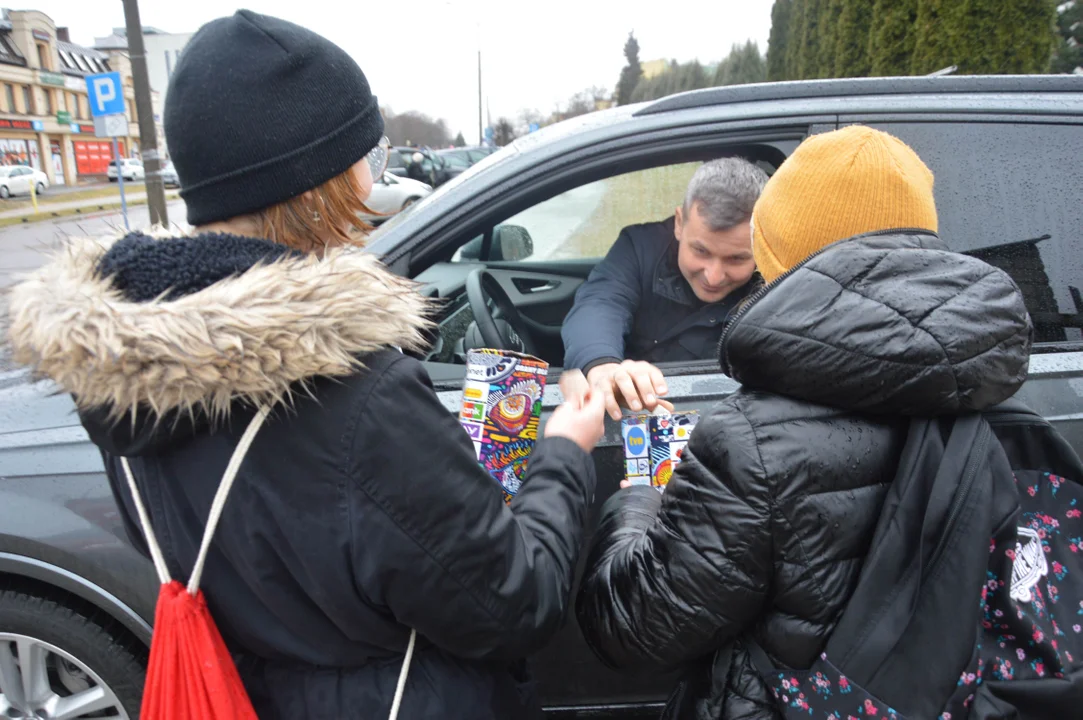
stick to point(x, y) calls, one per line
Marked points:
point(191, 672)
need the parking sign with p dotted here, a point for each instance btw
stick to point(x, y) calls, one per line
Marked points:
point(105, 93)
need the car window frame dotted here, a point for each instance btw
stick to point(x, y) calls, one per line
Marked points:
point(527, 261)
point(446, 375)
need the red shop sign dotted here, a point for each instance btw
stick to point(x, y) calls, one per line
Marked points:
point(16, 124)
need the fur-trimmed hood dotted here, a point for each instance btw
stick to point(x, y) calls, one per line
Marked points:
point(195, 323)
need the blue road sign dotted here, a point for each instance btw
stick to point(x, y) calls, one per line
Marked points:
point(533, 127)
point(105, 93)
point(489, 133)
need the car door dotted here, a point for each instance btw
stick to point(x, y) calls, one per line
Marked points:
point(386, 195)
point(397, 163)
point(570, 232)
point(1008, 192)
point(21, 181)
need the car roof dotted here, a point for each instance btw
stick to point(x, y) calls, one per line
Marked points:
point(855, 87)
point(1052, 96)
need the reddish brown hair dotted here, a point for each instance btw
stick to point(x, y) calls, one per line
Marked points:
point(326, 216)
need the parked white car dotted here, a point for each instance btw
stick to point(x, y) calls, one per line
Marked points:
point(18, 179)
point(132, 169)
point(169, 176)
point(393, 193)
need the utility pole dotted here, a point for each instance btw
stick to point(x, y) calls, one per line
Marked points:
point(148, 133)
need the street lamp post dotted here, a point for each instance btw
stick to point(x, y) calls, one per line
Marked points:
point(481, 136)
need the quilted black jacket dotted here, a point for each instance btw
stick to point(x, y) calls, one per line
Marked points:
point(766, 522)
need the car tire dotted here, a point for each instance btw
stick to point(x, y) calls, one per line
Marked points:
point(112, 179)
point(93, 649)
point(5, 193)
point(40, 188)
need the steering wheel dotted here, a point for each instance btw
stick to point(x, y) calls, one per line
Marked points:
point(503, 329)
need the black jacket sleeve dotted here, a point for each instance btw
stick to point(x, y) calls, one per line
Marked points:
point(605, 306)
point(672, 577)
point(433, 540)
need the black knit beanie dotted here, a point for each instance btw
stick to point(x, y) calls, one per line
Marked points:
point(260, 110)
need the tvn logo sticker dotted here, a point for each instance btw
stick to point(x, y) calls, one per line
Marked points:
point(635, 440)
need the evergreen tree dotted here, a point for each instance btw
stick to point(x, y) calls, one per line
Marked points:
point(984, 37)
point(744, 64)
point(632, 72)
point(776, 45)
point(691, 76)
point(1069, 54)
point(795, 39)
point(460, 141)
point(891, 39)
point(830, 11)
point(852, 43)
point(809, 58)
point(1025, 36)
point(941, 35)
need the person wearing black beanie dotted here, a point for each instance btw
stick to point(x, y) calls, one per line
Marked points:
point(363, 560)
point(260, 111)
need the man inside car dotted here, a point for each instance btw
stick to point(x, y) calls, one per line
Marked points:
point(665, 289)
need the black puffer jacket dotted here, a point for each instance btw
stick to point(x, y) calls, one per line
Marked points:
point(766, 522)
point(360, 511)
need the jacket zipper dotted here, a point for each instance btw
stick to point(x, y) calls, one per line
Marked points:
point(756, 296)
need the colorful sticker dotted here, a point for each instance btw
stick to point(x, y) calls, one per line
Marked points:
point(654, 444)
point(636, 438)
point(503, 396)
point(476, 431)
point(472, 411)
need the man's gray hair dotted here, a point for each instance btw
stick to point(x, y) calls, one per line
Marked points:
point(725, 191)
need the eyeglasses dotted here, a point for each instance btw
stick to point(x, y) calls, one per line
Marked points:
point(378, 157)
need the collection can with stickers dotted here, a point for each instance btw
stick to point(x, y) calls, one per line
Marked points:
point(501, 410)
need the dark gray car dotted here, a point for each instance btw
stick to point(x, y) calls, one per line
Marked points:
point(522, 229)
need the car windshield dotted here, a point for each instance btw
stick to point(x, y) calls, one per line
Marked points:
point(6, 171)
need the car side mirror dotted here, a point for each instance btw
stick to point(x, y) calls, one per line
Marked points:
point(509, 243)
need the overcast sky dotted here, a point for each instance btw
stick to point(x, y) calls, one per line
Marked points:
point(423, 56)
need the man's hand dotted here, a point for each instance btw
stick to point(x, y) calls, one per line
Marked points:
point(634, 384)
point(579, 418)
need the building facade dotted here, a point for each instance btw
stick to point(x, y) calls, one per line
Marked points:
point(45, 119)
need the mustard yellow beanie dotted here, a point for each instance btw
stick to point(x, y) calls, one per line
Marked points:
point(835, 186)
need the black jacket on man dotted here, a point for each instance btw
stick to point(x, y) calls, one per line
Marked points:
point(637, 305)
point(360, 511)
point(763, 529)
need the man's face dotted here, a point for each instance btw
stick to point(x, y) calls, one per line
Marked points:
point(714, 262)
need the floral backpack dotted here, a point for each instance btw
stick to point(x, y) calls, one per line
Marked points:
point(970, 601)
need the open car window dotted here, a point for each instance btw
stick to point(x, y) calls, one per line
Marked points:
point(584, 222)
point(541, 255)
